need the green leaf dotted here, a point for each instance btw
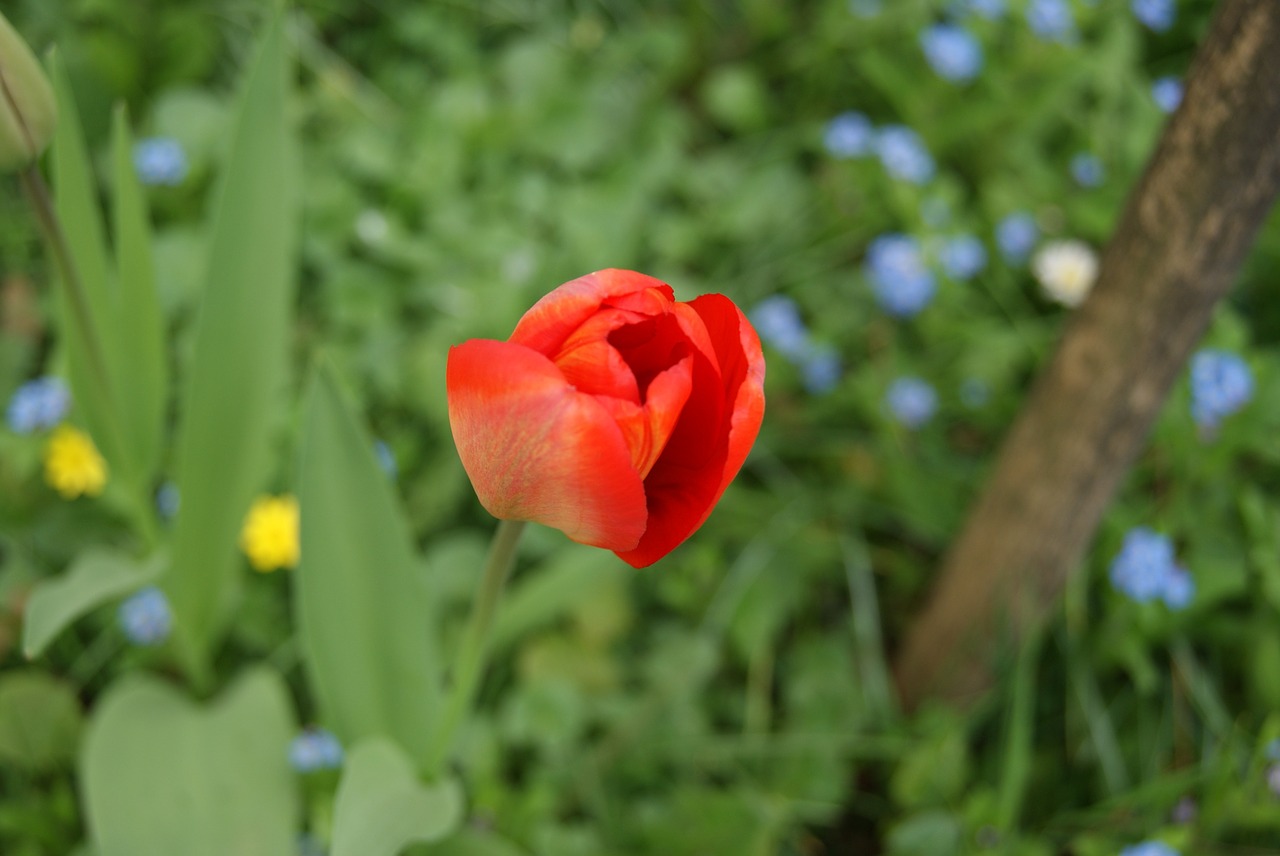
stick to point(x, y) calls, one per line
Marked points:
point(238, 370)
point(86, 305)
point(97, 576)
point(39, 720)
point(381, 807)
point(365, 615)
point(141, 356)
point(162, 775)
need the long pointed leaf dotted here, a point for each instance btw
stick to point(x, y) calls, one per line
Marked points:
point(141, 360)
point(86, 306)
point(238, 369)
point(363, 611)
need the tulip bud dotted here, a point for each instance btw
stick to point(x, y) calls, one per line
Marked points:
point(28, 111)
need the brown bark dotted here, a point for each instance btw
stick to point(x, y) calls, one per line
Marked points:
point(1179, 245)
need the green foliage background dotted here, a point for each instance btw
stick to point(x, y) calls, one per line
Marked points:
point(460, 160)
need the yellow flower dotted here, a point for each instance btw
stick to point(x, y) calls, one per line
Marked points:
point(270, 534)
point(72, 465)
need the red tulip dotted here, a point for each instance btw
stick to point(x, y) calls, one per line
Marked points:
point(613, 413)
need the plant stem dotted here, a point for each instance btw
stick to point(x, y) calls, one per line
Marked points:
point(469, 665)
point(51, 228)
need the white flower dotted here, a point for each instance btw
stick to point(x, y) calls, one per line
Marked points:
point(1066, 270)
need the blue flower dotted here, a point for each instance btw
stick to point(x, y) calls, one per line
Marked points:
point(1157, 15)
point(820, 369)
point(1273, 750)
point(903, 154)
point(962, 257)
point(952, 51)
point(777, 320)
point(168, 500)
point(38, 404)
point(1016, 236)
point(1167, 93)
point(1087, 170)
point(160, 160)
point(1178, 589)
point(974, 393)
point(849, 135)
point(386, 458)
point(1051, 20)
point(1145, 570)
point(315, 749)
point(145, 617)
point(901, 282)
point(1149, 848)
point(911, 401)
point(1221, 384)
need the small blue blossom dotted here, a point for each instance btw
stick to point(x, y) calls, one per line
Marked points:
point(820, 369)
point(962, 257)
point(160, 161)
point(1087, 170)
point(1273, 750)
point(1273, 779)
point(145, 617)
point(168, 500)
point(1167, 93)
point(38, 404)
point(386, 458)
point(849, 135)
point(1156, 15)
point(777, 320)
point(903, 154)
point(911, 401)
point(895, 267)
point(1179, 588)
point(315, 749)
point(1149, 848)
point(1145, 570)
point(1016, 236)
point(1221, 384)
point(952, 51)
point(1051, 20)
point(309, 845)
point(974, 393)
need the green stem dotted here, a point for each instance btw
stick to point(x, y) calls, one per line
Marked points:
point(50, 227)
point(469, 665)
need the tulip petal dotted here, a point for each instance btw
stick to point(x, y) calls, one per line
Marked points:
point(537, 449)
point(555, 317)
point(716, 431)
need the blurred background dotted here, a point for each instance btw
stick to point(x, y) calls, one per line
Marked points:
point(908, 198)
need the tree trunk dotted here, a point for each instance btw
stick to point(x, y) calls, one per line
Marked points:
point(1185, 232)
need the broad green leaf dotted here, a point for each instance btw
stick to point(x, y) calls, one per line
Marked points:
point(163, 775)
point(39, 720)
point(381, 806)
point(86, 306)
point(141, 357)
point(238, 370)
point(97, 576)
point(365, 615)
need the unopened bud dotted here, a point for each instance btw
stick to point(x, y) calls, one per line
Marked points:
point(28, 111)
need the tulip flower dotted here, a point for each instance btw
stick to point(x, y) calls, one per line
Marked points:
point(27, 109)
point(613, 413)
